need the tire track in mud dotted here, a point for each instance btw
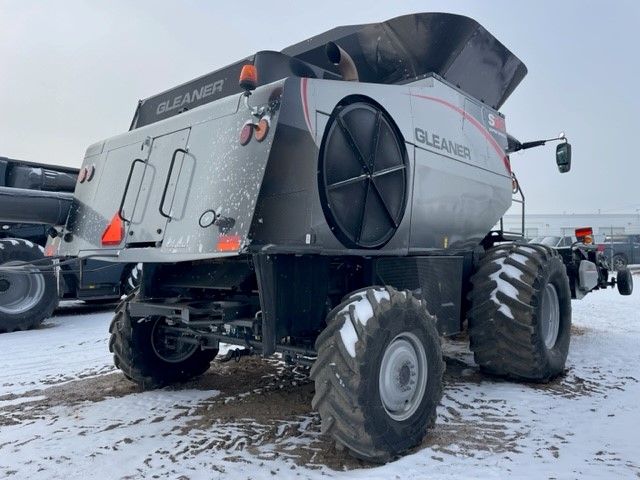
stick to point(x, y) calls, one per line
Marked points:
point(260, 410)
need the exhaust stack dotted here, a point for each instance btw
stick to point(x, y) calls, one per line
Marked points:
point(343, 60)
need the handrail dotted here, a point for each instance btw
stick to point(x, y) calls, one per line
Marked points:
point(166, 184)
point(126, 189)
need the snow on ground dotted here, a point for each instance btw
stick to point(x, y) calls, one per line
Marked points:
point(65, 412)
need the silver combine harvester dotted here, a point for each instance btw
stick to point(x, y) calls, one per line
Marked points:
point(336, 206)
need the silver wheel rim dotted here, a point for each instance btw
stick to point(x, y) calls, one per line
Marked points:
point(20, 292)
point(170, 348)
point(550, 321)
point(403, 376)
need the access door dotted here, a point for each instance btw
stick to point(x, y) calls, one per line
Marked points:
point(154, 201)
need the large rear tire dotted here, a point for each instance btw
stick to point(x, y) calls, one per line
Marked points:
point(378, 374)
point(149, 355)
point(520, 315)
point(26, 299)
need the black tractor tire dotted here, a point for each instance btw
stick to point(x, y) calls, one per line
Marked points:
point(624, 282)
point(619, 262)
point(26, 299)
point(131, 278)
point(520, 313)
point(148, 356)
point(378, 374)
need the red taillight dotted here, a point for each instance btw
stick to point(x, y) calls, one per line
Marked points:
point(82, 175)
point(246, 133)
point(114, 233)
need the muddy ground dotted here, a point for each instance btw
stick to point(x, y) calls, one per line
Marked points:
point(267, 402)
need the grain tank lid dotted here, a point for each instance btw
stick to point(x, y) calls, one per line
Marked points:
point(404, 48)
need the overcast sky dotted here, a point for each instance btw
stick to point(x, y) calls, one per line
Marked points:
point(71, 73)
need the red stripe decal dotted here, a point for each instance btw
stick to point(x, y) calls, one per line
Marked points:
point(305, 105)
point(496, 146)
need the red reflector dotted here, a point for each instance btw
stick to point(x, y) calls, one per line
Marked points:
point(246, 133)
point(114, 233)
point(584, 232)
point(230, 243)
point(82, 175)
point(50, 251)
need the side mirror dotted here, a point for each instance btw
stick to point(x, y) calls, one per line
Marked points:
point(563, 157)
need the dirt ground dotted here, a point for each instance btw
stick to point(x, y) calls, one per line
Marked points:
point(268, 402)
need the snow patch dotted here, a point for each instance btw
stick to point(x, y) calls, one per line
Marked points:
point(504, 286)
point(362, 312)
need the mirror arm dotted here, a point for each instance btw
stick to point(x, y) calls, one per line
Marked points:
point(523, 146)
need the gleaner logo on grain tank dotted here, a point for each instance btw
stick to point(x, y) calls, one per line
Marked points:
point(189, 97)
point(436, 141)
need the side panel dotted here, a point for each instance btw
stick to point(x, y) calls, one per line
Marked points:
point(175, 212)
point(462, 182)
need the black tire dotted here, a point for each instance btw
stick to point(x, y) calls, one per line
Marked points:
point(150, 357)
point(131, 278)
point(26, 299)
point(619, 262)
point(520, 313)
point(366, 371)
point(624, 281)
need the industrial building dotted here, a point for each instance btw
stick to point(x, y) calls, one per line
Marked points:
point(537, 225)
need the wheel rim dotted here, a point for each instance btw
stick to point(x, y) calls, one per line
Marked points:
point(363, 177)
point(619, 263)
point(20, 292)
point(403, 376)
point(550, 321)
point(169, 347)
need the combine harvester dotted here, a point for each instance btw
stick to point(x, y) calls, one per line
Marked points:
point(334, 206)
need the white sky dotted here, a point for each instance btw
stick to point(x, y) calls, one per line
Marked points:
point(71, 73)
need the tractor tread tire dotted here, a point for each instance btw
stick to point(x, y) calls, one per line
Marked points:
point(130, 342)
point(505, 314)
point(347, 387)
point(13, 251)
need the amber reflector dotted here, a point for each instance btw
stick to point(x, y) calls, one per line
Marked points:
point(262, 129)
point(114, 233)
point(229, 243)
